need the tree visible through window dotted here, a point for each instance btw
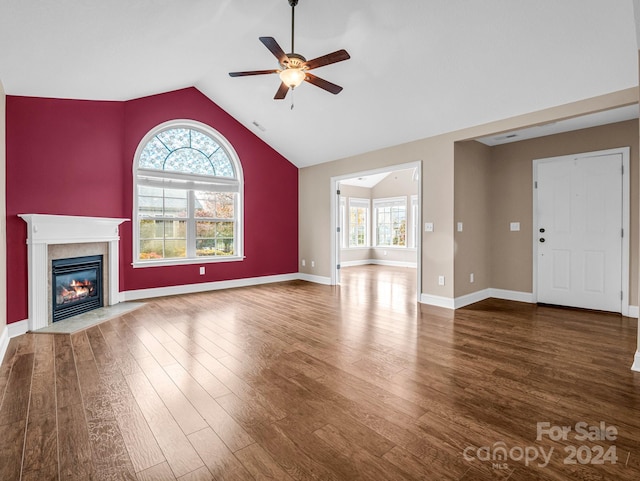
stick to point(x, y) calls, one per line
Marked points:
point(358, 222)
point(188, 185)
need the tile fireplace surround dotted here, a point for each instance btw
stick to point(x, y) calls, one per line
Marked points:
point(44, 230)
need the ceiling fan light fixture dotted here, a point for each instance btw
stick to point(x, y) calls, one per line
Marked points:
point(292, 77)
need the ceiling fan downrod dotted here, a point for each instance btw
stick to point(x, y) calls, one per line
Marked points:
point(293, 4)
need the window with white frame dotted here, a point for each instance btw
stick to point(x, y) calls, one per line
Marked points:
point(358, 222)
point(188, 196)
point(415, 222)
point(390, 216)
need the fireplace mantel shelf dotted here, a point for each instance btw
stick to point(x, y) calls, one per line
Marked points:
point(67, 229)
point(46, 229)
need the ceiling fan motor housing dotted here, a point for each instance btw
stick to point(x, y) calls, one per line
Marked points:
point(293, 60)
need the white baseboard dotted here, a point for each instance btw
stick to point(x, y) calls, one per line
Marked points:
point(313, 278)
point(18, 328)
point(10, 331)
point(507, 295)
point(4, 342)
point(632, 311)
point(204, 287)
point(472, 298)
point(437, 301)
point(362, 262)
point(636, 362)
point(379, 262)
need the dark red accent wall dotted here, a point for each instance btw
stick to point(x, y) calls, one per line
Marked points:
point(75, 157)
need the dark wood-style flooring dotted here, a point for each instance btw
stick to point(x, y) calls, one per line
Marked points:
point(297, 381)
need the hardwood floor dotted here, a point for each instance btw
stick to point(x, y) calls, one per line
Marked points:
point(297, 381)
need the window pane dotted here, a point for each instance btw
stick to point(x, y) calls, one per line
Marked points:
point(215, 205)
point(162, 239)
point(214, 238)
point(156, 202)
point(188, 160)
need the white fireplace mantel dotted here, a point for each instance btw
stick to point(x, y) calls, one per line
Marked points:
point(46, 229)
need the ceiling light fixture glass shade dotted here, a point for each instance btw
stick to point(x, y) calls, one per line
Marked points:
point(292, 77)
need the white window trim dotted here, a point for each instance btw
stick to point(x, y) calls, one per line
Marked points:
point(388, 202)
point(359, 202)
point(225, 184)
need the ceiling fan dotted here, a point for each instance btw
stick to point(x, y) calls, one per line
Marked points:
point(294, 67)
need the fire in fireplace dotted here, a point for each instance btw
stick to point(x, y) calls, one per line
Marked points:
point(76, 286)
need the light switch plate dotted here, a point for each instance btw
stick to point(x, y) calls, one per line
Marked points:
point(514, 226)
point(459, 226)
point(428, 227)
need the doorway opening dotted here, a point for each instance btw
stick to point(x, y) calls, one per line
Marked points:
point(376, 219)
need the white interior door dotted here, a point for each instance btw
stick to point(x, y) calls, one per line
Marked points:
point(579, 231)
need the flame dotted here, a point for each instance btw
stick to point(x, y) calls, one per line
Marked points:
point(77, 289)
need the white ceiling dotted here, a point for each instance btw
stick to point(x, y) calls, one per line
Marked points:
point(418, 67)
point(367, 181)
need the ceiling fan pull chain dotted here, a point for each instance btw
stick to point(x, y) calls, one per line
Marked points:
point(292, 99)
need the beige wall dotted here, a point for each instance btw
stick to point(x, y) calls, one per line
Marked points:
point(437, 184)
point(3, 214)
point(472, 208)
point(512, 198)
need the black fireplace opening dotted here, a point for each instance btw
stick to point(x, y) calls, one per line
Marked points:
point(77, 286)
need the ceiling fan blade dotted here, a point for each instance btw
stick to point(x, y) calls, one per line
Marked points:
point(282, 92)
point(337, 56)
point(251, 72)
point(275, 49)
point(323, 84)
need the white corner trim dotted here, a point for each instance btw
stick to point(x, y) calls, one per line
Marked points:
point(4, 342)
point(472, 298)
point(313, 278)
point(203, 287)
point(438, 301)
point(636, 362)
point(507, 295)
point(631, 311)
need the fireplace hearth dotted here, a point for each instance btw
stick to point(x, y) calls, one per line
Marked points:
point(76, 286)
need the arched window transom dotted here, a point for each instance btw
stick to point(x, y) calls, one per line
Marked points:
point(188, 192)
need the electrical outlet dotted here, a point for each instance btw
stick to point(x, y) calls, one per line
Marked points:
point(384, 253)
point(202, 270)
point(514, 226)
point(471, 278)
point(304, 262)
point(459, 226)
point(313, 263)
point(428, 227)
point(441, 280)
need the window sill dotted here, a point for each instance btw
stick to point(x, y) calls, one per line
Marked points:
point(183, 262)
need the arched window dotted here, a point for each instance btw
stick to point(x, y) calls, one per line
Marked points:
point(188, 196)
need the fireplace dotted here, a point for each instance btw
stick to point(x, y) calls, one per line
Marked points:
point(52, 237)
point(76, 286)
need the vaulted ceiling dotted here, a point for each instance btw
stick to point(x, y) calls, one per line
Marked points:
point(418, 68)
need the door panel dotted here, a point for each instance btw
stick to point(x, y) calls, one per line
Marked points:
point(579, 219)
